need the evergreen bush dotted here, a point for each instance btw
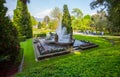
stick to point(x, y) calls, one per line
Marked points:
point(9, 44)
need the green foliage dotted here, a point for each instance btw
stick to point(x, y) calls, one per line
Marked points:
point(97, 62)
point(78, 13)
point(22, 20)
point(86, 22)
point(79, 22)
point(28, 29)
point(100, 21)
point(9, 44)
point(22, 38)
point(76, 24)
point(113, 8)
point(39, 25)
point(82, 24)
point(40, 35)
point(66, 19)
point(43, 24)
point(40, 32)
point(34, 21)
point(53, 24)
point(19, 57)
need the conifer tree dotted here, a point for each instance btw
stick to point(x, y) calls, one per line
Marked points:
point(22, 19)
point(66, 19)
point(39, 25)
point(9, 45)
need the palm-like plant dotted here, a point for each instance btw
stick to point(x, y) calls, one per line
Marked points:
point(78, 13)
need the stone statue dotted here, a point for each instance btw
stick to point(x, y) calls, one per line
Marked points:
point(56, 38)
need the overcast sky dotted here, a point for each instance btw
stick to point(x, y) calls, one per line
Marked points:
point(41, 8)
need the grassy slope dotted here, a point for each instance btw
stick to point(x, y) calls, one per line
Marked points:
point(96, 62)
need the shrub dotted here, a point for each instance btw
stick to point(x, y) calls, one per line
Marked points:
point(19, 57)
point(40, 35)
point(9, 44)
point(22, 38)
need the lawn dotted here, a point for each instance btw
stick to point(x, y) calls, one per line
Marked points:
point(103, 61)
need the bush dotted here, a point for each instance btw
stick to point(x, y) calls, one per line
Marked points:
point(40, 35)
point(116, 34)
point(9, 43)
point(19, 57)
point(22, 38)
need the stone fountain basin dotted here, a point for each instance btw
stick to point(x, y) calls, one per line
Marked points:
point(65, 43)
point(48, 48)
point(60, 42)
point(49, 41)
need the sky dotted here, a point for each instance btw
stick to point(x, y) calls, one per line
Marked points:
point(41, 8)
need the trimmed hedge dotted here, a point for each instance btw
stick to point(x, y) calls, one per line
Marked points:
point(22, 38)
point(40, 35)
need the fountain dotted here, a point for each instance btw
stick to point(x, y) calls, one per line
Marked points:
point(61, 37)
point(58, 43)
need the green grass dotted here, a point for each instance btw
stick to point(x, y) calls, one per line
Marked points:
point(102, 61)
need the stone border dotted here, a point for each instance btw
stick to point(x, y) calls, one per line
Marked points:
point(20, 67)
point(87, 47)
point(53, 54)
point(40, 57)
point(35, 51)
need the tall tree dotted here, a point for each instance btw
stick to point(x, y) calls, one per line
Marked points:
point(66, 19)
point(56, 13)
point(78, 13)
point(113, 9)
point(22, 19)
point(99, 21)
point(33, 21)
point(77, 22)
point(39, 25)
point(9, 44)
point(82, 24)
point(25, 1)
point(46, 20)
point(86, 22)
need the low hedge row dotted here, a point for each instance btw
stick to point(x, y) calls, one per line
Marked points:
point(40, 35)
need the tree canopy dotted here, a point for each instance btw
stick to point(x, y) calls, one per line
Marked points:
point(46, 19)
point(56, 13)
point(100, 21)
point(113, 9)
point(78, 13)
